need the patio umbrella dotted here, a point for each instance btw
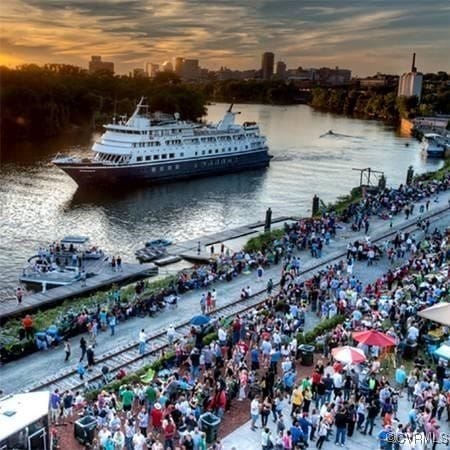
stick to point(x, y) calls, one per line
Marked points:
point(443, 352)
point(200, 320)
point(374, 337)
point(439, 313)
point(348, 355)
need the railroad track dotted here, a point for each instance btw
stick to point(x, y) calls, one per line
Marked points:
point(128, 357)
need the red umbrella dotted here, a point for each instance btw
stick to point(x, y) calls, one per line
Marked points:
point(348, 355)
point(374, 337)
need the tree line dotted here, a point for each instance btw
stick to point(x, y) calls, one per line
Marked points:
point(40, 102)
point(381, 102)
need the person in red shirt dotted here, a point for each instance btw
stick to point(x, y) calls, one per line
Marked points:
point(27, 323)
point(156, 417)
point(169, 430)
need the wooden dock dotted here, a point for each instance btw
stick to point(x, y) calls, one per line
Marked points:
point(210, 244)
point(232, 239)
point(104, 278)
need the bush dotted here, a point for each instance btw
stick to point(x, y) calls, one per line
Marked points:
point(324, 326)
point(263, 241)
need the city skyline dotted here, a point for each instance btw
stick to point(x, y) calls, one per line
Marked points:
point(367, 38)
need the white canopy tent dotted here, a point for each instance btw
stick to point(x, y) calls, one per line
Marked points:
point(439, 313)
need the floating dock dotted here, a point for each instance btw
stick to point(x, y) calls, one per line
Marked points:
point(104, 278)
point(232, 239)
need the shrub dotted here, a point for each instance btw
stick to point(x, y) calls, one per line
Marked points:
point(263, 241)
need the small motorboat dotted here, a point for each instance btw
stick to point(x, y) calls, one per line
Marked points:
point(148, 254)
point(158, 243)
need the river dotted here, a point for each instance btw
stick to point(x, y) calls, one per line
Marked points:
point(39, 203)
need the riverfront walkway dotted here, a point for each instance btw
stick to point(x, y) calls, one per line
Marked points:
point(244, 439)
point(19, 374)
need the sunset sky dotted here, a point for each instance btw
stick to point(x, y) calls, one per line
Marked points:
point(366, 35)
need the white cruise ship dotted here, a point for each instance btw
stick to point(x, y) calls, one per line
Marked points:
point(158, 148)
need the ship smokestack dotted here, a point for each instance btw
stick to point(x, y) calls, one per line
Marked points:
point(413, 67)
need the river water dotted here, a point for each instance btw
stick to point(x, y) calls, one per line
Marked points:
point(39, 203)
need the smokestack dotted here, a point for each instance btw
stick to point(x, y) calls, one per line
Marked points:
point(413, 67)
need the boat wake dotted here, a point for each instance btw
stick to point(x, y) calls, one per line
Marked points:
point(333, 134)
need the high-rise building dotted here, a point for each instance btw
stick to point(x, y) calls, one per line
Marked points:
point(97, 65)
point(139, 73)
point(281, 70)
point(167, 67)
point(152, 69)
point(190, 70)
point(178, 65)
point(410, 83)
point(268, 59)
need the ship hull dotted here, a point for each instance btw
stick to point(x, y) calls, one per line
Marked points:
point(139, 174)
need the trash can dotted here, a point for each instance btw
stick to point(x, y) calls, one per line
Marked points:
point(306, 353)
point(209, 424)
point(410, 350)
point(84, 429)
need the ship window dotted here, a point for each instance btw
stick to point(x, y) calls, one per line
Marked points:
point(217, 151)
point(181, 154)
point(148, 158)
point(171, 155)
point(246, 146)
point(169, 167)
point(203, 152)
point(139, 159)
point(161, 168)
point(153, 169)
point(235, 148)
point(196, 153)
point(209, 152)
point(156, 157)
point(164, 156)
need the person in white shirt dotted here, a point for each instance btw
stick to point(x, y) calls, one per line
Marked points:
point(254, 412)
point(103, 435)
point(337, 381)
point(142, 340)
point(139, 441)
point(412, 333)
point(171, 334)
point(222, 335)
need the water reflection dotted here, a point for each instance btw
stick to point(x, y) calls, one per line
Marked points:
point(39, 203)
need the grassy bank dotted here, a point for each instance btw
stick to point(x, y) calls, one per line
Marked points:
point(64, 315)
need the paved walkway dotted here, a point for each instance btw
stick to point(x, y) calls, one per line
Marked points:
point(245, 439)
point(19, 373)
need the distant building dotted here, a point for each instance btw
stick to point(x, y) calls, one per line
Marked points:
point(97, 65)
point(139, 73)
point(333, 77)
point(167, 67)
point(190, 70)
point(378, 80)
point(281, 70)
point(267, 63)
point(178, 65)
point(410, 83)
point(152, 70)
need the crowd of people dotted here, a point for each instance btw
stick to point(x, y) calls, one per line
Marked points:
point(255, 358)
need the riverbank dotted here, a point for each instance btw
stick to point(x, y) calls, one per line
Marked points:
point(15, 374)
point(367, 274)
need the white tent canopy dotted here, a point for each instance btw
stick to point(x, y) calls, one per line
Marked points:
point(439, 313)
